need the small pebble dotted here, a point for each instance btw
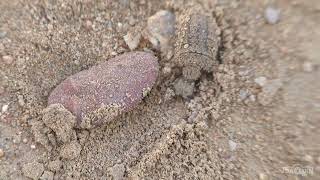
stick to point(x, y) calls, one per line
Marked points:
point(262, 176)
point(132, 40)
point(4, 108)
point(232, 145)
point(21, 100)
point(308, 67)
point(32, 146)
point(166, 69)
point(7, 59)
point(76, 62)
point(170, 54)
point(272, 15)
point(50, 27)
point(252, 98)
point(1, 153)
point(16, 140)
point(261, 81)
point(2, 34)
point(145, 91)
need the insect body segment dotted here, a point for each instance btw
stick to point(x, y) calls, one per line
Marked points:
point(197, 43)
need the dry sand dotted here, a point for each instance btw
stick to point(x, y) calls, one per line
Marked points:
point(255, 117)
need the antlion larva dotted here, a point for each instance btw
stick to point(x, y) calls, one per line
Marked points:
point(197, 43)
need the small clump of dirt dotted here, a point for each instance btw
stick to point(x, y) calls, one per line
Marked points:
point(60, 121)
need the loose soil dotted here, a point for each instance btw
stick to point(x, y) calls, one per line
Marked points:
point(230, 128)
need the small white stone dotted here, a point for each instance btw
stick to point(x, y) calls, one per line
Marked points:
point(4, 108)
point(76, 62)
point(272, 15)
point(262, 176)
point(166, 70)
point(21, 100)
point(7, 59)
point(169, 54)
point(50, 27)
point(233, 145)
point(261, 81)
point(33, 146)
point(307, 67)
point(252, 98)
point(132, 40)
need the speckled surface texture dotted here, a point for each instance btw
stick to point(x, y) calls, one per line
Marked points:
point(120, 81)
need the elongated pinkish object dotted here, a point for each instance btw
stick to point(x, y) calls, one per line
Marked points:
point(120, 81)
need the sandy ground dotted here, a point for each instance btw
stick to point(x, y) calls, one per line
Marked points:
point(256, 117)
